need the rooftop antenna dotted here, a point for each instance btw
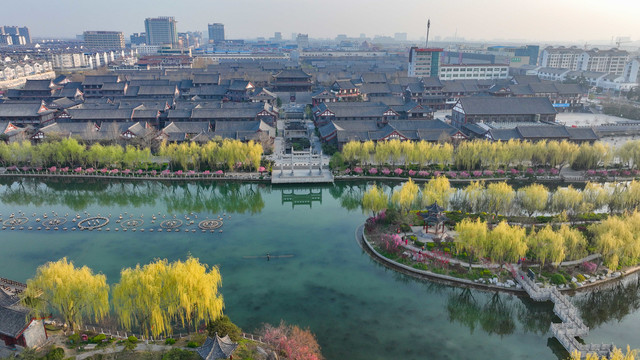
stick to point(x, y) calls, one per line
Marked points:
point(426, 44)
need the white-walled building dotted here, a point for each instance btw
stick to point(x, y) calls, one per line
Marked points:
point(473, 72)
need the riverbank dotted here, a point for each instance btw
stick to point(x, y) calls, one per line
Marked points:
point(364, 243)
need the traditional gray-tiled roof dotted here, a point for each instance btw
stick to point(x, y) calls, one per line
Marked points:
point(99, 79)
point(292, 73)
point(13, 320)
point(355, 109)
point(206, 78)
point(217, 348)
point(209, 90)
point(344, 84)
point(145, 114)
point(85, 131)
point(40, 85)
point(582, 134)
point(263, 94)
point(504, 134)
point(178, 114)
point(374, 77)
point(375, 89)
point(187, 127)
point(119, 86)
point(543, 132)
point(241, 130)
point(364, 130)
point(485, 105)
point(154, 82)
point(388, 100)
point(158, 90)
point(240, 85)
point(101, 114)
point(21, 109)
point(431, 81)
point(8, 300)
point(525, 79)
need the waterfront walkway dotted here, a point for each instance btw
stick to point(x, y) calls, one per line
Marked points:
point(572, 325)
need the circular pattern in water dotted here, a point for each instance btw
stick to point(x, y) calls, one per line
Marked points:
point(171, 224)
point(54, 221)
point(210, 224)
point(15, 221)
point(91, 223)
point(132, 223)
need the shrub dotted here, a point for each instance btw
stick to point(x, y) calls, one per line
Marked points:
point(430, 246)
point(98, 338)
point(74, 338)
point(180, 354)
point(223, 326)
point(486, 272)
point(55, 354)
point(580, 278)
point(170, 341)
point(192, 344)
point(418, 243)
point(573, 286)
point(589, 267)
point(558, 279)
point(405, 228)
point(132, 339)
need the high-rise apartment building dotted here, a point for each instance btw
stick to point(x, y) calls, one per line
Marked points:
point(424, 62)
point(216, 33)
point(104, 39)
point(161, 31)
point(561, 57)
point(138, 38)
point(303, 41)
point(14, 35)
point(610, 61)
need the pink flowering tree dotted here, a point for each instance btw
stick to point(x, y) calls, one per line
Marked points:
point(292, 342)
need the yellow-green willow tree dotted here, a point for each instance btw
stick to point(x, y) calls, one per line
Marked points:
point(437, 190)
point(532, 198)
point(474, 195)
point(374, 200)
point(507, 243)
point(575, 244)
point(472, 236)
point(499, 196)
point(405, 197)
point(546, 244)
point(74, 293)
point(617, 238)
point(154, 296)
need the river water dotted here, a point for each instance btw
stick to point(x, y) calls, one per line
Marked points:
point(317, 276)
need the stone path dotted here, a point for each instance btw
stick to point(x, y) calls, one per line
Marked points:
point(572, 325)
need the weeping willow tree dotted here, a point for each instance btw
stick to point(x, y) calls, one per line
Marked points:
point(375, 200)
point(154, 296)
point(74, 293)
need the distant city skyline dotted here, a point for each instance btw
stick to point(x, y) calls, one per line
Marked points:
point(541, 21)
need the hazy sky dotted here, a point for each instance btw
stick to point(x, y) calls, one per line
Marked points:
point(538, 20)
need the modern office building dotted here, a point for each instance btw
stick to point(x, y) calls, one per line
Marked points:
point(161, 31)
point(104, 39)
point(424, 62)
point(216, 33)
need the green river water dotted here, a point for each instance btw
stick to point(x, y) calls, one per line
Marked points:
point(357, 308)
